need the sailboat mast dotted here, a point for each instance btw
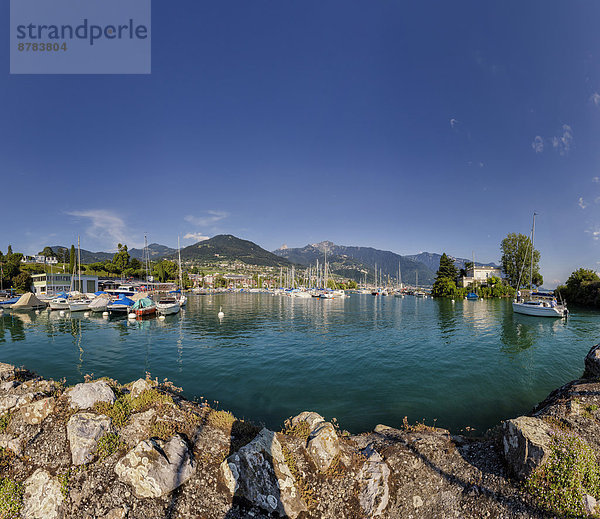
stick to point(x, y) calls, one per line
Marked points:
point(79, 262)
point(180, 273)
point(532, 238)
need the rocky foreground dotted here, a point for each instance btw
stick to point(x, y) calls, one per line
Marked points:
point(105, 450)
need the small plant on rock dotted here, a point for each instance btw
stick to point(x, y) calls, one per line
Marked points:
point(108, 444)
point(5, 422)
point(11, 498)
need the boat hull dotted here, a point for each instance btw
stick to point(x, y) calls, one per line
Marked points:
point(167, 309)
point(539, 310)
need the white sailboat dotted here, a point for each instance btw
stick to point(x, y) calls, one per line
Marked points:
point(540, 305)
point(79, 305)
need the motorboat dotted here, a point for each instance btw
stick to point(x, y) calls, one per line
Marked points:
point(121, 305)
point(99, 304)
point(472, 296)
point(80, 305)
point(8, 303)
point(168, 306)
point(144, 307)
point(28, 301)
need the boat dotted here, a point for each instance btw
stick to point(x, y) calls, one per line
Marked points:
point(28, 301)
point(79, 305)
point(144, 307)
point(59, 302)
point(168, 306)
point(120, 305)
point(472, 296)
point(99, 304)
point(536, 303)
point(8, 303)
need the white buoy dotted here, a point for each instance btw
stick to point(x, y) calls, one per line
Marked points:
point(220, 315)
point(61, 313)
point(131, 315)
point(453, 300)
point(37, 312)
point(161, 317)
point(104, 314)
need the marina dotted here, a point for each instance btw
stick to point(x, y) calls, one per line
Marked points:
point(363, 359)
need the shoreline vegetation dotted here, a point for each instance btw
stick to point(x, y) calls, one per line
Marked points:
point(104, 449)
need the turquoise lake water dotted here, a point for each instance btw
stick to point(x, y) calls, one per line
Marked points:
point(364, 360)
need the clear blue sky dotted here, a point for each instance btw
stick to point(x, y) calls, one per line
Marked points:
point(406, 126)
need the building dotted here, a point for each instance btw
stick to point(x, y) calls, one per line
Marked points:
point(50, 260)
point(56, 283)
point(480, 275)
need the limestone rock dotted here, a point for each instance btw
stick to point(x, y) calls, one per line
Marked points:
point(323, 445)
point(12, 444)
point(154, 468)
point(7, 386)
point(138, 427)
point(139, 386)
point(374, 492)
point(526, 444)
point(116, 513)
point(310, 417)
point(83, 431)
point(258, 472)
point(36, 412)
point(589, 504)
point(84, 396)
point(592, 363)
point(14, 402)
point(42, 497)
point(7, 371)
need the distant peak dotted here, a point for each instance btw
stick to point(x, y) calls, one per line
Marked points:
point(283, 247)
point(324, 245)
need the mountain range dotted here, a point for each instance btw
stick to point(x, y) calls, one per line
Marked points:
point(156, 251)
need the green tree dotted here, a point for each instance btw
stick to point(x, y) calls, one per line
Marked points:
point(517, 261)
point(582, 288)
point(121, 259)
point(72, 259)
point(447, 268)
point(221, 282)
point(47, 252)
point(443, 287)
point(9, 251)
point(22, 282)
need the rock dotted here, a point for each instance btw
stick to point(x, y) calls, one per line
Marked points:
point(83, 432)
point(589, 504)
point(84, 396)
point(42, 498)
point(592, 363)
point(323, 445)
point(139, 386)
point(417, 501)
point(374, 492)
point(11, 443)
point(116, 513)
point(258, 473)
point(14, 402)
point(37, 412)
point(311, 418)
point(154, 468)
point(7, 386)
point(7, 371)
point(138, 427)
point(526, 444)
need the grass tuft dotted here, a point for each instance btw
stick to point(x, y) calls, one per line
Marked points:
point(11, 498)
point(108, 444)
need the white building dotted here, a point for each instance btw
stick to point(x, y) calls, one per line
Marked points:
point(56, 283)
point(50, 260)
point(480, 275)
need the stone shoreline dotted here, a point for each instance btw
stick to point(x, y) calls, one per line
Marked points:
point(105, 450)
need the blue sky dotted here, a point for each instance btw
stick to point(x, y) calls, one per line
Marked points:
point(430, 126)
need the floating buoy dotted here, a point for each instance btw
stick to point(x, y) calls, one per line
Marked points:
point(104, 314)
point(220, 315)
point(61, 313)
point(161, 317)
point(131, 315)
point(453, 300)
point(86, 314)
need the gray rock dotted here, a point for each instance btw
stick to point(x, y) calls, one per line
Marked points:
point(83, 431)
point(84, 396)
point(7, 386)
point(258, 472)
point(592, 363)
point(138, 427)
point(526, 444)
point(14, 402)
point(310, 417)
point(11, 443)
point(38, 411)
point(589, 504)
point(139, 386)
point(7, 371)
point(154, 468)
point(323, 445)
point(374, 492)
point(42, 497)
point(115, 513)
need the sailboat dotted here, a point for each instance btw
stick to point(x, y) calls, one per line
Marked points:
point(538, 304)
point(79, 305)
point(179, 296)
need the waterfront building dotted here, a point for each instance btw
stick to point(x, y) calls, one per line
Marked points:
point(480, 275)
point(56, 283)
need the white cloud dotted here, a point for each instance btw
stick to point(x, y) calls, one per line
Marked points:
point(453, 122)
point(595, 233)
point(563, 143)
point(106, 227)
point(538, 144)
point(595, 98)
point(204, 221)
point(582, 203)
point(196, 236)
point(596, 179)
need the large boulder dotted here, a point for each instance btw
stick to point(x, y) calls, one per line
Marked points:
point(592, 363)
point(373, 488)
point(138, 427)
point(310, 417)
point(83, 431)
point(7, 371)
point(84, 396)
point(155, 468)
point(36, 412)
point(13, 402)
point(42, 497)
point(526, 444)
point(323, 445)
point(139, 386)
point(258, 473)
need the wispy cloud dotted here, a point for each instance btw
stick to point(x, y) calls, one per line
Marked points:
point(538, 144)
point(106, 227)
point(453, 123)
point(210, 218)
point(563, 143)
point(596, 179)
point(595, 98)
point(594, 232)
point(582, 203)
point(196, 236)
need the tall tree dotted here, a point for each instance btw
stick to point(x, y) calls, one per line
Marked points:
point(47, 252)
point(445, 284)
point(121, 258)
point(9, 251)
point(447, 268)
point(72, 259)
point(517, 261)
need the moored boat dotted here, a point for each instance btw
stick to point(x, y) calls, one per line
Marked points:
point(28, 301)
point(168, 306)
point(144, 307)
point(120, 305)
